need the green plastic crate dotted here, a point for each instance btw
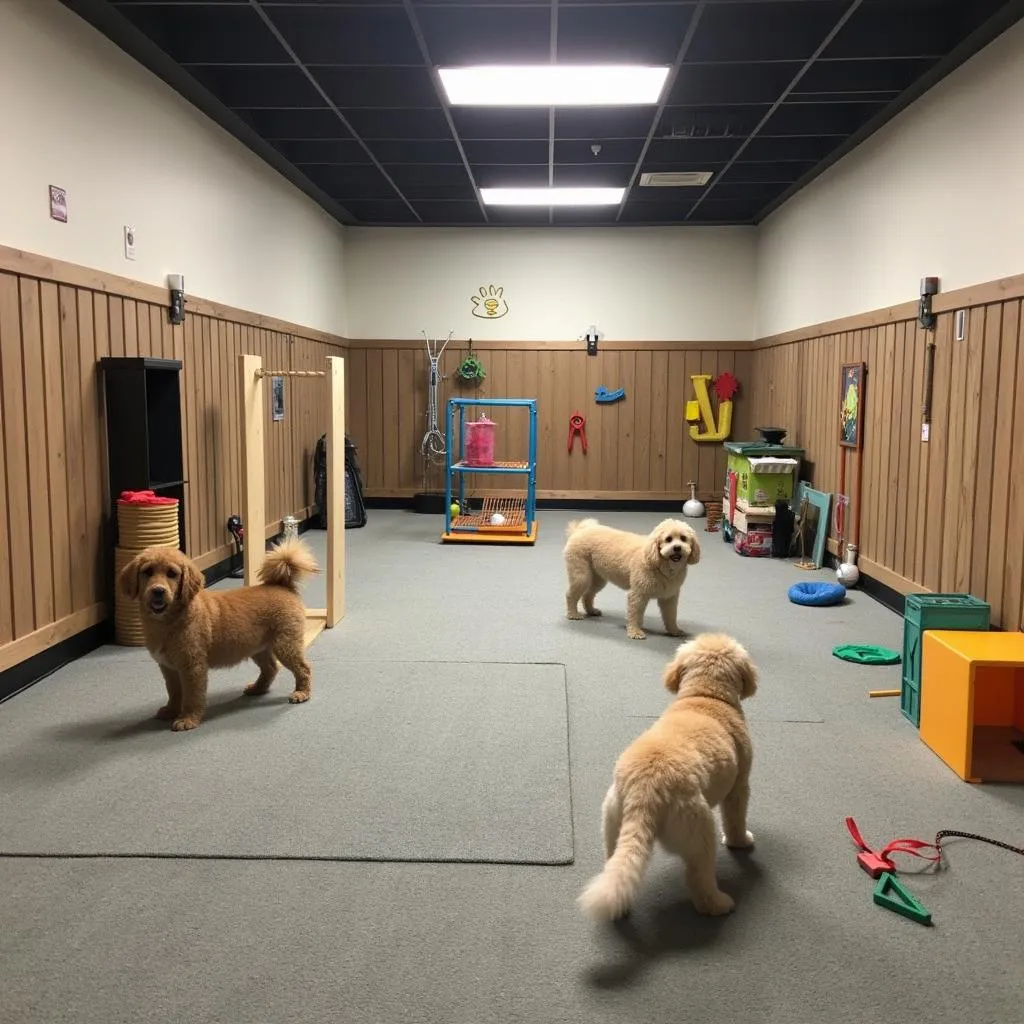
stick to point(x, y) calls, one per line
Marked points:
point(933, 611)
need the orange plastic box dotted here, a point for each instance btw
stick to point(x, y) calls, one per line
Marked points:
point(972, 702)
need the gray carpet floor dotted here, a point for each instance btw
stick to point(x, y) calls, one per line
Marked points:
point(260, 942)
point(389, 761)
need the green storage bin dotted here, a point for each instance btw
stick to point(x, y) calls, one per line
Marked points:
point(762, 488)
point(933, 611)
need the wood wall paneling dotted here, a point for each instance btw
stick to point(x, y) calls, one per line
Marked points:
point(942, 515)
point(637, 448)
point(54, 522)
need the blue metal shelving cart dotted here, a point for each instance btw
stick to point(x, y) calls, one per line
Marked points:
point(507, 519)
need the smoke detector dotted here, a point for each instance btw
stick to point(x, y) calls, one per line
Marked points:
point(674, 179)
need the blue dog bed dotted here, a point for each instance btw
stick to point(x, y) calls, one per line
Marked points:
point(817, 595)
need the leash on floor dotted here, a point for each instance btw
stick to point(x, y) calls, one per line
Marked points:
point(891, 893)
point(875, 862)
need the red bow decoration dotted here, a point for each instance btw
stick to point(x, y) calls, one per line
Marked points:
point(726, 385)
point(577, 425)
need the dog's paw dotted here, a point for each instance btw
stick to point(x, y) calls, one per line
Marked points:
point(255, 690)
point(299, 696)
point(575, 616)
point(714, 904)
point(675, 632)
point(636, 634)
point(185, 723)
point(594, 613)
point(743, 842)
point(166, 713)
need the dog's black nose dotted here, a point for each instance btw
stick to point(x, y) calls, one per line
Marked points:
point(158, 592)
point(677, 548)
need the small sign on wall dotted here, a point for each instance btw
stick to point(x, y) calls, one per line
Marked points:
point(277, 398)
point(58, 204)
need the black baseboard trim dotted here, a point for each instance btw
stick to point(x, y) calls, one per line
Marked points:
point(20, 677)
point(880, 592)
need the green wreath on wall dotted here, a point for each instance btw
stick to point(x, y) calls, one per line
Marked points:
point(471, 370)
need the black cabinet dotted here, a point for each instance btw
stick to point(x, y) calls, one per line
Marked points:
point(144, 431)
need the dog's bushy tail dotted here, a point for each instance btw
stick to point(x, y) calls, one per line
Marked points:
point(610, 894)
point(579, 524)
point(287, 564)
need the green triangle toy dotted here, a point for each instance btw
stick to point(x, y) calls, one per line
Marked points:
point(902, 902)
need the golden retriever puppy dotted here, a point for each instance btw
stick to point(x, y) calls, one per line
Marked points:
point(695, 757)
point(189, 629)
point(648, 568)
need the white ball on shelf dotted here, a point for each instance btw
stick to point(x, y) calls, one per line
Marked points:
point(497, 519)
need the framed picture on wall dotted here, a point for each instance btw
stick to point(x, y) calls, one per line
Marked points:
point(851, 405)
point(277, 398)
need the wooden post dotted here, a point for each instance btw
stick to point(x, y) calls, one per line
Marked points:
point(336, 491)
point(254, 518)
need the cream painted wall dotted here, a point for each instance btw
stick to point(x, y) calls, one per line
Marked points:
point(635, 284)
point(937, 191)
point(77, 112)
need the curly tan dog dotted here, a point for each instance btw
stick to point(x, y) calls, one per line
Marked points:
point(190, 630)
point(649, 568)
point(695, 757)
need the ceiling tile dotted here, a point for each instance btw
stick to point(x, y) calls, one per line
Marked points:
point(861, 76)
point(763, 31)
point(692, 150)
point(222, 34)
point(241, 87)
point(613, 151)
point(278, 125)
point(777, 170)
point(603, 122)
point(651, 35)
point(711, 122)
point(377, 87)
point(806, 147)
point(398, 124)
point(501, 122)
point(718, 84)
point(374, 34)
point(504, 176)
point(416, 151)
point(450, 213)
point(593, 175)
point(534, 152)
point(819, 118)
point(482, 35)
point(661, 211)
point(322, 151)
point(349, 181)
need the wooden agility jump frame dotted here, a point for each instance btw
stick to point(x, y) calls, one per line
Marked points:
point(254, 411)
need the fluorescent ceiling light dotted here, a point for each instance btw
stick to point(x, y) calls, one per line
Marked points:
point(552, 196)
point(552, 85)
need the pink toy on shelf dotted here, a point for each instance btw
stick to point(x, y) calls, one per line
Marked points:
point(480, 442)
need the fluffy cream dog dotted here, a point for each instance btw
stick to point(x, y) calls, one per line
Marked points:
point(695, 757)
point(648, 568)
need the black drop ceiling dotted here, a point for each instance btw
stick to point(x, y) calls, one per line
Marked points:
point(340, 96)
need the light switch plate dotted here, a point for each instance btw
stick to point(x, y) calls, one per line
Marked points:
point(925, 431)
point(129, 242)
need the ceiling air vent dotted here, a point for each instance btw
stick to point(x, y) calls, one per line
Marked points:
point(674, 179)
